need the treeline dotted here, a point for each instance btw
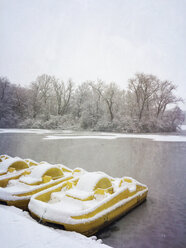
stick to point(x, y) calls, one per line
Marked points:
point(148, 105)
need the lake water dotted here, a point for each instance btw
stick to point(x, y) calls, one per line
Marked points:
point(158, 222)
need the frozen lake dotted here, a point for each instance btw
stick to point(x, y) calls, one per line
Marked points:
point(156, 160)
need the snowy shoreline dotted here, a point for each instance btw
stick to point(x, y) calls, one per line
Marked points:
point(26, 232)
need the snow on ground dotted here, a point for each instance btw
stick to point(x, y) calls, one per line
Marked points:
point(18, 229)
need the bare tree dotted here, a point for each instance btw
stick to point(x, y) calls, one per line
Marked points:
point(81, 96)
point(143, 87)
point(21, 101)
point(4, 99)
point(35, 104)
point(108, 94)
point(45, 82)
point(63, 93)
point(148, 105)
point(45, 89)
point(4, 83)
point(165, 96)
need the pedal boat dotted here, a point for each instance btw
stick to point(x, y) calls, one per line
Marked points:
point(89, 203)
point(18, 191)
point(3, 157)
point(13, 168)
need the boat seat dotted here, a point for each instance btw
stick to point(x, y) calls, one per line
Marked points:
point(89, 185)
point(43, 173)
point(31, 162)
point(12, 164)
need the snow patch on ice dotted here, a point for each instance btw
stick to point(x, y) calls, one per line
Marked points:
point(16, 130)
point(34, 131)
point(154, 137)
point(53, 137)
point(68, 134)
point(183, 127)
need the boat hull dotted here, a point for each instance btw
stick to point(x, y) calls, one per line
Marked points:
point(22, 200)
point(89, 227)
point(22, 203)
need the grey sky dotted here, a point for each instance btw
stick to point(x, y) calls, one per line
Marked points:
point(90, 39)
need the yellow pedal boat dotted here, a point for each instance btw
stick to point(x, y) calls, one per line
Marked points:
point(4, 157)
point(18, 190)
point(87, 203)
point(13, 168)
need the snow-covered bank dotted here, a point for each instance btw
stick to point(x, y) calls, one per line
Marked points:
point(18, 229)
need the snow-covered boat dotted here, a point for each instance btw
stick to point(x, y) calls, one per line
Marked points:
point(9, 164)
point(13, 168)
point(18, 190)
point(3, 157)
point(88, 203)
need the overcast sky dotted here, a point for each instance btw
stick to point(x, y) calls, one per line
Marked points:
point(90, 39)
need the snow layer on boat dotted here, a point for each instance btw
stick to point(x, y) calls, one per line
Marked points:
point(10, 175)
point(5, 164)
point(37, 173)
point(5, 195)
point(111, 136)
point(86, 185)
point(78, 171)
point(26, 232)
point(63, 167)
point(16, 187)
point(31, 161)
point(88, 181)
point(80, 194)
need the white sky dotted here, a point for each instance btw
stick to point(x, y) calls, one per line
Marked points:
point(90, 39)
